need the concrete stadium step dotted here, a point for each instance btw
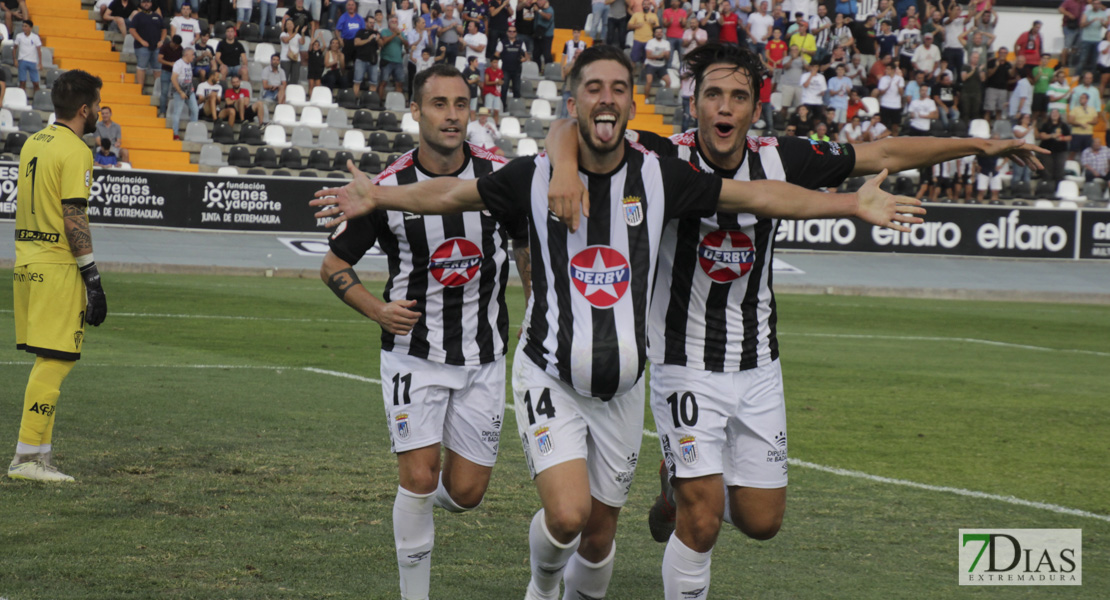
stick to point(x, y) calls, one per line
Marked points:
point(151, 135)
point(60, 43)
point(162, 145)
point(162, 161)
point(85, 54)
point(54, 6)
point(106, 70)
point(51, 32)
point(127, 120)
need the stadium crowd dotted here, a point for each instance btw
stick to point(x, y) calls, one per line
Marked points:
point(908, 68)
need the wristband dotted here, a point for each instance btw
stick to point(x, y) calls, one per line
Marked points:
point(84, 260)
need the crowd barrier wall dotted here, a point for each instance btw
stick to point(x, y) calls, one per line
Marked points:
point(280, 204)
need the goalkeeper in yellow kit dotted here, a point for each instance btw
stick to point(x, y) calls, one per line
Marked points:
point(56, 283)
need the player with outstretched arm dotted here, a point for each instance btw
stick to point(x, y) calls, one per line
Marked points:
point(577, 382)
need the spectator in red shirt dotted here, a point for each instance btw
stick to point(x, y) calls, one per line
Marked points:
point(491, 87)
point(237, 103)
point(1030, 44)
point(776, 49)
point(729, 21)
point(674, 19)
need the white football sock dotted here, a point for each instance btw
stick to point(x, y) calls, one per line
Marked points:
point(21, 448)
point(446, 502)
point(548, 559)
point(685, 572)
point(413, 536)
point(584, 579)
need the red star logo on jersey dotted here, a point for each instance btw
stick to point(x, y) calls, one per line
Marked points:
point(726, 255)
point(455, 262)
point(601, 275)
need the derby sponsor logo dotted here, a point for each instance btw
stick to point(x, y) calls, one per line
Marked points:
point(242, 202)
point(125, 197)
point(817, 231)
point(601, 274)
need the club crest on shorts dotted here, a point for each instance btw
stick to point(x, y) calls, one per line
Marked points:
point(543, 441)
point(401, 422)
point(688, 449)
point(455, 262)
point(601, 274)
point(633, 210)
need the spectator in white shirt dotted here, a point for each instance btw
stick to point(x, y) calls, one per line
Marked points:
point(874, 130)
point(209, 94)
point(927, 55)
point(760, 25)
point(922, 112)
point(693, 37)
point(185, 26)
point(658, 55)
point(813, 90)
point(482, 132)
point(852, 132)
point(183, 95)
point(890, 98)
point(274, 81)
point(28, 55)
point(475, 42)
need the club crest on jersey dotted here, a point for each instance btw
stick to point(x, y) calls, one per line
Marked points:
point(455, 262)
point(688, 449)
point(633, 210)
point(601, 275)
point(543, 441)
point(726, 255)
point(402, 423)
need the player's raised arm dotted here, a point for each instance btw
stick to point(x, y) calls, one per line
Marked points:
point(785, 201)
point(437, 196)
point(901, 153)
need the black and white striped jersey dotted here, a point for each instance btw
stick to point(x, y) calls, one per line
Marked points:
point(587, 319)
point(714, 307)
point(454, 266)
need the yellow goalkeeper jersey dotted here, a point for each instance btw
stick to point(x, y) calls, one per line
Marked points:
point(55, 168)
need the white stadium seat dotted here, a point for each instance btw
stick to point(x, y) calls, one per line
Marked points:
point(548, 91)
point(263, 52)
point(229, 170)
point(510, 128)
point(274, 136)
point(285, 114)
point(295, 95)
point(409, 125)
point(354, 141)
point(15, 99)
point(541, 109)
point(321, 96)
point(527, 147)
point(312, 117)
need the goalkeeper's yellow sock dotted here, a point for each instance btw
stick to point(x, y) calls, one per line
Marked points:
point(39, 403)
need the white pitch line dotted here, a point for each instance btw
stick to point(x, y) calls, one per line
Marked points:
point(918, 338)
point(647, 432)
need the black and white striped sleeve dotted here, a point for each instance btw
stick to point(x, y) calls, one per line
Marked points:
point(507, 194)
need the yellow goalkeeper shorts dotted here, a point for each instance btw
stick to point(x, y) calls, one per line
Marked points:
point(49, 310)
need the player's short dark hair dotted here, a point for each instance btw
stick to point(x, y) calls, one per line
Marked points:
point(72, 90)
point(437, 70)
point(698, 61)
point(594, 54)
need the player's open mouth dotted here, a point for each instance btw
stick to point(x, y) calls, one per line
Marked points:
point(604, 126)
point(452, 130)
point(724, 129)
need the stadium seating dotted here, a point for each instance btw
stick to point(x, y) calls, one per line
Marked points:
point(256, 171)
point(42, 101)
point(319, 160)
point(282, 173)
point(222, 133)
point(7, 121)
point(548, 91)
point(15, 99)
point(1067, 190)
point(250, 134)
point(527, 89)
point(870, 105)
point(284, 114)
point(212, 156)
point(370, 99)
point(394, 101)
point(370, 163)
point(980, 128)
point(354, 141)
point(379, 141)
point(541, 109)
point(274, 136)
point(239, 156)
point(409, 125)
point(517, 108)
point(291, 159)
point(30, 122)
point(197, 132)
point(312, 117)
point(266, 158)
point(364, 120)
point(272, 34)
point(321, 96)
point(295, 95)
point(510, 128)
point(527, 147)
point(387, 121)
point(14, 142)
point(220, 28)
point(302, 137)
point(1046, 190)
point(506, 146)
point(553, 71)
point(403, 143)
point(533, 128)
point(250, 32)
point(228, 171)
point(308, 174)
point(340, 162)
point(337, 118)
point(530, 70)
point(347, 99)
point(329, 138)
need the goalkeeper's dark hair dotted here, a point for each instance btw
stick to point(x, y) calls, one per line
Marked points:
point(698, 62)
point(72, 90)
point(437, 70)
point(592, 55)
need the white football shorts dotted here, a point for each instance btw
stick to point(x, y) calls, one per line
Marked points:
point(430, 403)
point(722, 423)
point(557, 424)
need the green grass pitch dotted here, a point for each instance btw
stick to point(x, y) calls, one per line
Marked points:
point(212, 462)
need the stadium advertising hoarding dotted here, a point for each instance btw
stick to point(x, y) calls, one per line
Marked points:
point(186, 201)
point(1014, 232)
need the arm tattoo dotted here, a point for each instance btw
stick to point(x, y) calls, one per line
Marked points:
point(77, 229)
point(341, 281)
point(523, 257)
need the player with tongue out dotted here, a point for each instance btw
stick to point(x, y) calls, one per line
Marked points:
point(717, 394)
point(577, 374)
